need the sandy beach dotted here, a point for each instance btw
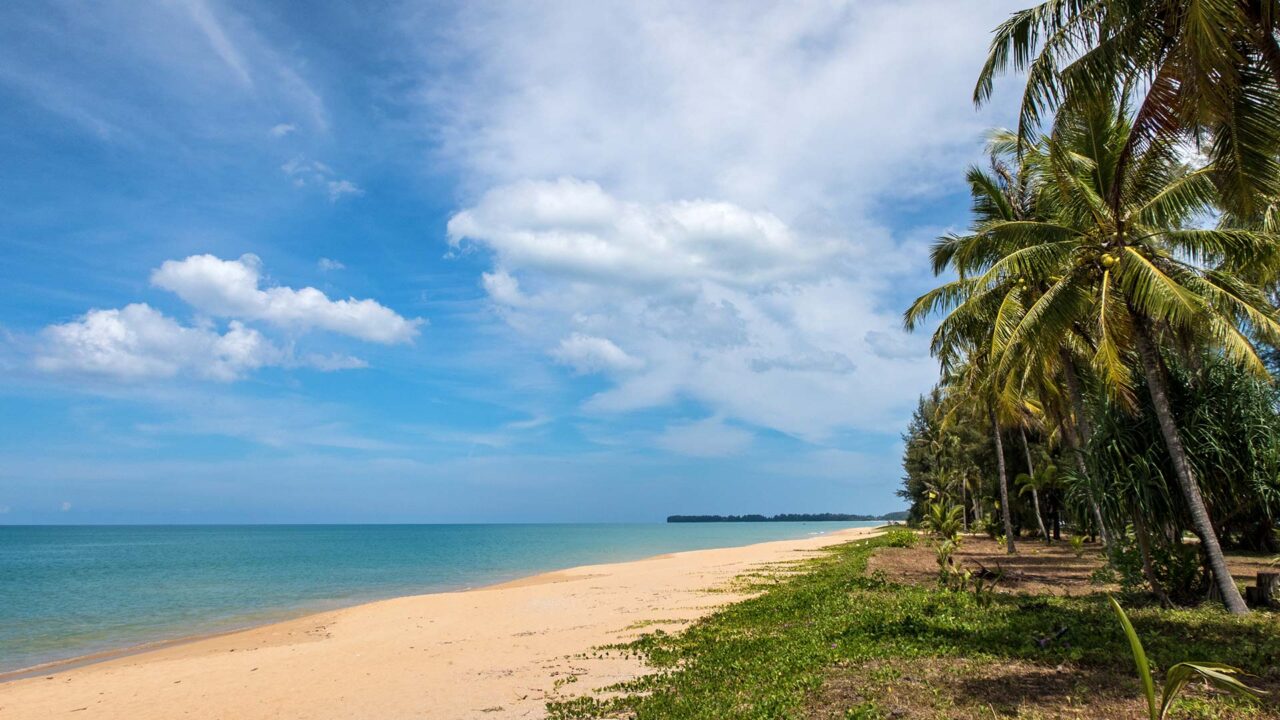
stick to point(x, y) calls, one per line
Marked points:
point(494, 652)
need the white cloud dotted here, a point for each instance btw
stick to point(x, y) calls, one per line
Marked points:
point(744, 320)
point(576, 229)
point(804, 109)
point(587, 354)
point(502, 288)
point(283, 129)
point(218, 39)
point(897, 345)
point(327, 265)
point(339, 188)
point(708, 192)
point(705, 438)
point(309, 173)
point(138, 342)
point(65, 506)
point(231, 288)
point(198, 70)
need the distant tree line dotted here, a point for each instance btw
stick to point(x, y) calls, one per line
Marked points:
point(786, 517)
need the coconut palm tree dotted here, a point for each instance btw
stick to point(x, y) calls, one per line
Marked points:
point(1032, 483)
point(1123, 264)
point(970, 387)
point(969, 341)
point(1210, 68)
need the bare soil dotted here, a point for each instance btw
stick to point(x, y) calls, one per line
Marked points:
point(964, 689)
point(1036, 568)
point(982, 689)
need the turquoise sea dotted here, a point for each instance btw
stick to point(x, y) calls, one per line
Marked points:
point(67, 591)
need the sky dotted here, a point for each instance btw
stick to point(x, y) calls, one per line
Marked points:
point(472, 262)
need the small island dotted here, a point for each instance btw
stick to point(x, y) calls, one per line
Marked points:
point(788, 517)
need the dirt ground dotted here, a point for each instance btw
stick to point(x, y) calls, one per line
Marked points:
point(961, 689)
point(982, 689)
point(1037, 569)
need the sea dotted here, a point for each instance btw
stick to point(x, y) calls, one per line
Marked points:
point(72, 591)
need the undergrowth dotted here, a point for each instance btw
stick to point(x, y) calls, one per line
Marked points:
point(765, 657)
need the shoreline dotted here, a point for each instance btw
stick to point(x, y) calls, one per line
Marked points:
point(635, 587)
point(246, 619)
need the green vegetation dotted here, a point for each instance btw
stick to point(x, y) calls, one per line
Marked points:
point(767, 657)
point(1113, 304)
point(786, 517)
point(1216, 674)
point(1106, 330)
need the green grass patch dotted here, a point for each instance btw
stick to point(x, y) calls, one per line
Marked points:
point(766, 657)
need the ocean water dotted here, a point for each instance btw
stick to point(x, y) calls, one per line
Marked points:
point(67, 591)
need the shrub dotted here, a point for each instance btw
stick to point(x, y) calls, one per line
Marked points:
point(1177, 567)
point(901, 538)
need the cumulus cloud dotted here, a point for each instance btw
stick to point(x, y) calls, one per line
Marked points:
point(231, 288)
point(139, 342)
point(736, 312)
point(710, 190)
point(575, 228)
point(327, 265)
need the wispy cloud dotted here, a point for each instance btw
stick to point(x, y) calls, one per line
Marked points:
point(313, 173)
point(169, 72)
point(204, 18)
point(709, 438)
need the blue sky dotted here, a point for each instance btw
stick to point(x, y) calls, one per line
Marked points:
point(426, 262)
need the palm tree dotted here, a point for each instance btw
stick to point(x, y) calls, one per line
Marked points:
point(971, 386)
point(969, 341)
point(1032, 481)
point(948, 475)
point(1211, 69)
point(1123, 266)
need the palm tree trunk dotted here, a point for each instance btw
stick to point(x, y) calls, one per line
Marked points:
point(1004, 485)
point(1153, 368)
point(1035, 496)
point(1077, 442)
point(1148, 567)
point(964, 511)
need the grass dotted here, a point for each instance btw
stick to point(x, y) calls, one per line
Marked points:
point(829, 641)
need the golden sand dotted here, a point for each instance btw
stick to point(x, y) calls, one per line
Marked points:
point(496, 652)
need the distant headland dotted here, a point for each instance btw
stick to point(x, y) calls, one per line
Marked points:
point(787, 517)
